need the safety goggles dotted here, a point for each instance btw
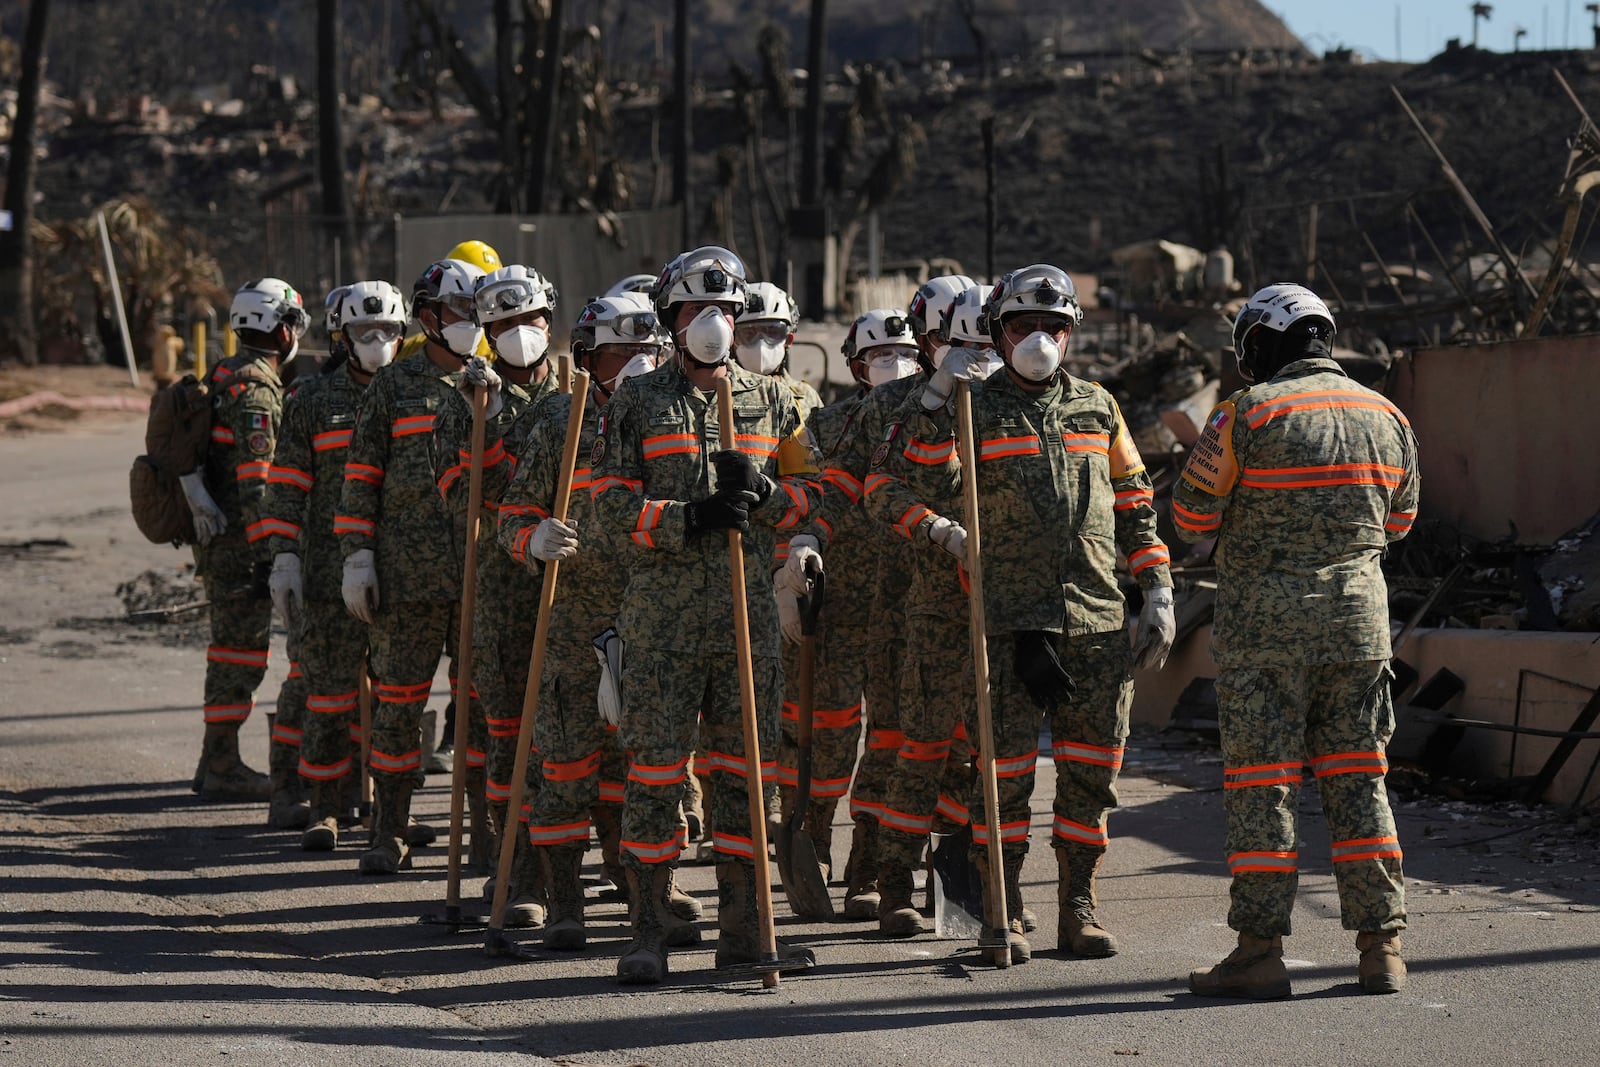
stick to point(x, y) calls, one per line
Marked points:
point(372, 333)
point(749, 333)
point(459, 303)
point(637, 324)
point(627, 351)
point(1021, 325)
point(508, 296)
point(888, 353)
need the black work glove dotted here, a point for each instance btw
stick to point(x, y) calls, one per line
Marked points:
point(1046, 681)
point(261, 580)
point(737, 472)
point(723, 510)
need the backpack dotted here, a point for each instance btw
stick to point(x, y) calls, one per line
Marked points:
point(176, 435)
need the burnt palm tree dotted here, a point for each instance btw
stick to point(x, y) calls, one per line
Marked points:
point(17, 338)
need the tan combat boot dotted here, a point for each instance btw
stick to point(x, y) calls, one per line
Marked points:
point(645, 960)
point(1255, 969)
point(861, 872)
point(896, 915)
point(525, 895)
point(1382, 969)
point(226, 775)
point(564, 931)
point(1077, 929)
point(322, 833)
point(391, 811)
point(739, 918)
point(287, 808)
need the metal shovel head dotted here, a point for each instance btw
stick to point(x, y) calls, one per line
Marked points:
point(797, 965)
point(957, 888)
point(455, 919)
point(801, 874)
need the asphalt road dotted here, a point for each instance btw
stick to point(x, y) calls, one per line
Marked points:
point(140, 926)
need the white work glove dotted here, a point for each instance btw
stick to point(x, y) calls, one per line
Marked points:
point(788, 613)
point(1157, 628)
point(950, 536)
point(959, 365)
point(288, 592)
point(802, 554)
point(208, 518)
point(553, 539)
point(361, 584)
point(478, 373)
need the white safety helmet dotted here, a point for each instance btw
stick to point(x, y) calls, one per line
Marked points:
point(330, 311)
point(932, 301)
point(372, 319)
point(878, 327)
point(633, 283)
point(511, 291)
point(710, 273)
point(1283, 308)
point(1033, 289)
point(622, 319)
point(765, 302)
point(267, 303)
point(965, 322)
point(450, 282)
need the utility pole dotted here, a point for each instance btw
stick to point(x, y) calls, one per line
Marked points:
point(16, 244)
point(330, 139)
point(680, 158)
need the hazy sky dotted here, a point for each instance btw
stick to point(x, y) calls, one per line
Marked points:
point(1425, 25)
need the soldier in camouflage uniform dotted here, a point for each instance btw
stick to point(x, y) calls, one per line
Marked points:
point(582, 765)
point(402, 560)
point(303, 494)
point(514, 305)
point(225, 499)
point(851, 470)
point(1064, 492)
point(1302, 479)
point(668, 482)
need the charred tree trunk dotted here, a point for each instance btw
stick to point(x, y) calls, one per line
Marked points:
point(330, 139)
point(816, 78)
point(684, 144)
point(17, 337)
point(508, 200)
point(549, 111)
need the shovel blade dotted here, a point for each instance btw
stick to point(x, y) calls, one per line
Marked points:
point(801, 874)
point(958, 887)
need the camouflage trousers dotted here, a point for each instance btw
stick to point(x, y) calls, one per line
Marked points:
point(671, 698)
point(839, 680)
point(288, 724)
point(241, 623)
point(500, 680)
point(581, 762)
point(406, 642)
point(1338, 717)
point(881, 673)
point(332, 645)
point(1087, 736)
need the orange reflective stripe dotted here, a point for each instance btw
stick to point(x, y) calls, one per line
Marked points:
point(1400, 521)
point(1262, 774)
point(930, 455)
point(873, 483)
point(384, 761)
point(1349, 763)
point(1366, 848)
point(924, 751)
point(733, 844)
point(285, 734)
point(363, 472)
point(610, 482)
point(798, 505)
point(221, 435)
point(351, 524)
point(402, 694)
point(1131, 499)
point(1016, 766)
point(1010, 832)
point(1318, 476)
point(952, 809)
point(324, 772)
point(1264, 412)
point(845, 482)
point(1098, 441)
point(657, 852)
point(886, 739)
point(1263, 862)
point(560, 834)
point(1200, 522)
point(277, 475)
point(1073, 752)
point(670, 444)
point(730, 763)
point(326, 442)
point(573, 770)
point(503, 727)
point(829, 788)
point(1068, 830)
point(836, 719)
point(244, 657)
point(912, 519)
point(1002, 447)
point(411, 424)
point(668, 774)
point(331, 703)
point(262, 529)
point(612, 792)
point(1145, 558)
point(756, 444)
point(649, 519)
point(227, 712)
point(905, 822)
point(245, 472)
point(523, 509)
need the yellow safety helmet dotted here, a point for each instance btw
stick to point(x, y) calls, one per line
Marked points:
point(477, 253)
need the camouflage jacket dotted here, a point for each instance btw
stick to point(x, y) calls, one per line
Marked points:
point(1302, 480)
point(804, 395)
point(504, 591)
point(651, 458)
point(307, 477)
point(1062, 492)
point(246, 407)
point(591, 582)
point(391, 501)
